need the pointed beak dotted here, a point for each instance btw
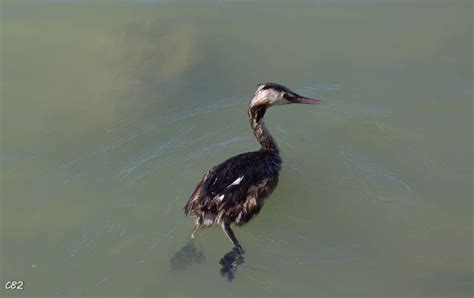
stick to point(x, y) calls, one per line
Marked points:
point(304, 100)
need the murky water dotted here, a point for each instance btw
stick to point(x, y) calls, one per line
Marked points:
point(112, 111)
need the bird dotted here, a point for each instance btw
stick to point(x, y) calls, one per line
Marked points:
point(234, 191)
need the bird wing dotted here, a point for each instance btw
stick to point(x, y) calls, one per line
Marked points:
point(228, 183)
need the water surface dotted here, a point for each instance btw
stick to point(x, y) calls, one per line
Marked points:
point(112, 111)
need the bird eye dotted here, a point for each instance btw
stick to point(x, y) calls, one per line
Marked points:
point(285, 95)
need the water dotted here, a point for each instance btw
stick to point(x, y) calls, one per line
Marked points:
point(112, 111)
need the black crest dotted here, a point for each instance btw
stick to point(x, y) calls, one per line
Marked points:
point(273, 86)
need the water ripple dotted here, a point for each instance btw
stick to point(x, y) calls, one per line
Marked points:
point(383, 190)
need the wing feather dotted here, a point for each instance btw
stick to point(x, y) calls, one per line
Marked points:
point(228, 184)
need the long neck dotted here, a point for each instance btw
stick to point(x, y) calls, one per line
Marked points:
point(262, 134)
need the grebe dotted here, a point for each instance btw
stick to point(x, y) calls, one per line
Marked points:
point(235, 190)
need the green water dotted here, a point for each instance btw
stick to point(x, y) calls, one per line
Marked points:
point(111, 111)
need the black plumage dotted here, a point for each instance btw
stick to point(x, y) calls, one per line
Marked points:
point(235, 190)
point(219, 198)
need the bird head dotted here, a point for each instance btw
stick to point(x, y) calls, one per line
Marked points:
point(271, 94)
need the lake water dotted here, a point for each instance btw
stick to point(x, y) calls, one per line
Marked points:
point(111, 111)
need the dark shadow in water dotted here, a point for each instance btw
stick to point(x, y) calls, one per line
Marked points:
point(230, 261)
point(186, 256)
point(189, 255)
